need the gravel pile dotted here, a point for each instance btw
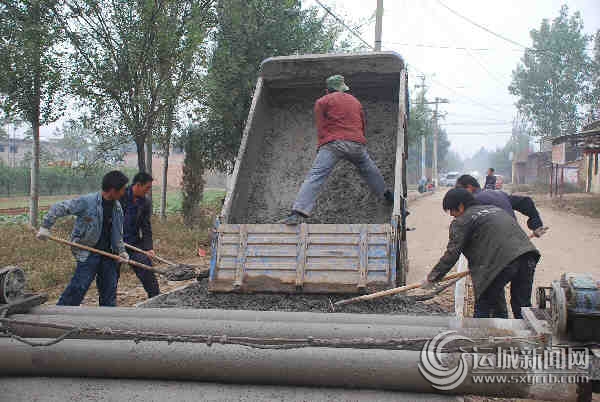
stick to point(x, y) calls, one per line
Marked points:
point(196, 296)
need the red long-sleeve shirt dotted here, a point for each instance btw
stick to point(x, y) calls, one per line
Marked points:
point(339, 116)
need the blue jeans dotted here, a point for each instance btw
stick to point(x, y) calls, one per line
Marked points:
point(147, 278)
point(327, 157)
point(104, 269)
point(519, 273)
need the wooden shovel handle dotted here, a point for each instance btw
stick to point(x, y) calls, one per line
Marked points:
point(157, 258)
point(394, 291)
point(105, 254)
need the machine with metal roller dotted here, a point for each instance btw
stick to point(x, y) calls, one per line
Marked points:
point(574, 306)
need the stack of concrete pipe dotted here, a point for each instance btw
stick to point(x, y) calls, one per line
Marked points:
point(313, 366)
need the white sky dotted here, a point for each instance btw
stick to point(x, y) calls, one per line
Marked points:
point(475, 82)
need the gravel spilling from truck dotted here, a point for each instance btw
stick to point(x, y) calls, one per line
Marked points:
point(196, 296)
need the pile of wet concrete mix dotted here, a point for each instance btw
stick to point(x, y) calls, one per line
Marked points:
point(197, 296)
point(286, 155)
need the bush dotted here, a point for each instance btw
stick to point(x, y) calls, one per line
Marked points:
point(53, 180)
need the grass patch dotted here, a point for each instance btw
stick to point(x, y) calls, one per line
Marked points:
point(212, 199)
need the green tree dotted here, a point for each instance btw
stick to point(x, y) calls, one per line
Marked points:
point(130, 59)
point(552, 80)
point(595, 100)
point(30, 72)
point(250, 31)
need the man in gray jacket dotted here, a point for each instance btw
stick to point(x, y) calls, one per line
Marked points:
point(99, 224)
point(497, 249)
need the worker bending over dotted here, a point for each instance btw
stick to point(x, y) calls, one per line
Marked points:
point(497, 249)
point(509, 203)
point(341, 128)
point(99, 224)
point(137, 229)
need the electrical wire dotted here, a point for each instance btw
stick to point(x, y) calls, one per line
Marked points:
point(470, 21)
point(339, 20)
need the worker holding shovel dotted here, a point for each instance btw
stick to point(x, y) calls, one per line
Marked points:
point(99, 224)
point(137, 229)
point(498, 250)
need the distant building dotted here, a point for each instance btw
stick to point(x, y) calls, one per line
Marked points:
point(575, 158)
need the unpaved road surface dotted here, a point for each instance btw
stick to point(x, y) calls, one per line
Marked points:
point(571, 245)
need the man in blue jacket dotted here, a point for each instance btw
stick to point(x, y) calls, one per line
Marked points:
point(99, 224)
point(137, 228)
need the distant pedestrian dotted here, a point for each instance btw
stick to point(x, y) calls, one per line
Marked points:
point(99, 224)
point(490, 180)
point(497, 249)
point(137, 229)
point(341, 130)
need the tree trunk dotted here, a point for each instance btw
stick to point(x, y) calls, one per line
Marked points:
point(149, 161)
point(35, 176)
point(35, 123)
point(165, 172)
point(141, 159)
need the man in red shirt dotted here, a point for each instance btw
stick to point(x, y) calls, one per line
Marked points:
point(341, 127)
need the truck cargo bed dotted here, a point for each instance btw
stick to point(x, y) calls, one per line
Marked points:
point(351, 239)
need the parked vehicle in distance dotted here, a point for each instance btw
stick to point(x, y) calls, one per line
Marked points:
point(451, 179)
point(442, 180)
point(499, 182)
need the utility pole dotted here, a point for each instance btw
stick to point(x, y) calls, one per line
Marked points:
point(435, 139)
point(378, 25)
point(423, 139)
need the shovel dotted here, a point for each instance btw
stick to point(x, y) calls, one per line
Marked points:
point(394, 291)
point(174, 265)
point(170, 274)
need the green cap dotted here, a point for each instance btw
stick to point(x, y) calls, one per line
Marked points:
point(337, 82)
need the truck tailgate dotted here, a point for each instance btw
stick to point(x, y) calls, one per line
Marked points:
point(312, 258)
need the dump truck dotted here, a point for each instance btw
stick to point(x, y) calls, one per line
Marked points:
point(353, 242)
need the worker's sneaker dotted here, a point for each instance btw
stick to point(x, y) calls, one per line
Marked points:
point(293, 219)
point(388, 196)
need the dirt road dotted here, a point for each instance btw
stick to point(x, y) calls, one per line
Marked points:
point(571, 245)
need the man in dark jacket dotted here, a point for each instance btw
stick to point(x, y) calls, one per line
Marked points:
point(509, 203)
point(490, 180)
point(340, 121)
point(137, 228)
point(497, 249)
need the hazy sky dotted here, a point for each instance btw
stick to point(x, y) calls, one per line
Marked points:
point(475, 81)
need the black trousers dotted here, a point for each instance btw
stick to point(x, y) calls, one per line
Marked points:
point(519, 273)
point(147, 278)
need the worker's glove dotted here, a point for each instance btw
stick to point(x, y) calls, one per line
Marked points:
point(539, 232)
point(426, 284)
point(43, 234)
point(124, 255)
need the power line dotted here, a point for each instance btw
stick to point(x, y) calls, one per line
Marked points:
point(481, 64)
point(477, 124)
point(470, 21)
point(473, 49)
point(338, 19)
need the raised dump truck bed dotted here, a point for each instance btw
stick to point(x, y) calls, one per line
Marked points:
point(353, 241)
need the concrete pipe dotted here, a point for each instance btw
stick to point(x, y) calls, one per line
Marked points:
point(347, 368)
point(264, 329)
point(246, 315)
